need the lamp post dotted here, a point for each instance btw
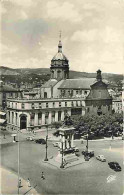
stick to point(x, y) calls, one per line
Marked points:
point(62, 163)
point(46, 159)
point(18, 161)
point(86, 156)
point(87, 143)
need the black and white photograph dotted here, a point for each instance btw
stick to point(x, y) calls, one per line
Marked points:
point(61, 97)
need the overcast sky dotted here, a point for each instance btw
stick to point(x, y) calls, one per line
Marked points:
point(92, 33)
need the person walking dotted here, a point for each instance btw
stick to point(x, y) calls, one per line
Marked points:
point(42, 175)
point(29, 184)
point(20, 183)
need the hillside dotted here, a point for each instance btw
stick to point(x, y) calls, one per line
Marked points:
point(41, 72)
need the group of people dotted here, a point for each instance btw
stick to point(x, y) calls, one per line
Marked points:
point(28, 181)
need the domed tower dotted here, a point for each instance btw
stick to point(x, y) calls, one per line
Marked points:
point(59, 65)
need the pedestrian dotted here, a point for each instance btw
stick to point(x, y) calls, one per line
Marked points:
point(42, 175)
point(28, 180)
point(4, 136)
point(19, 183)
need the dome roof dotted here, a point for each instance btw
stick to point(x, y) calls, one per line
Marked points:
point(60, 56)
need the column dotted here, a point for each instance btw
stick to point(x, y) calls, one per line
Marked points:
point(56, 116)
point(49, 118)
point(10, 117)
point(63, 140)
point(43, 118)
point(67, 142)
point(14, 120)
point(62, 115)
point(28, 121)
point(83, 111)
point(72, 141)
point(60, 141)
point(18, 120)
point(36, 119)
point(69, 112)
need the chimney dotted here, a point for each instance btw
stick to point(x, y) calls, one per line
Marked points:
point(99, 76)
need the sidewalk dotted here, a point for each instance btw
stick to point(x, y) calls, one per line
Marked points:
point(9, 182)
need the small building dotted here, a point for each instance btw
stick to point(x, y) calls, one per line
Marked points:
point(7, 91)
point(99, 100)
point(117, 104)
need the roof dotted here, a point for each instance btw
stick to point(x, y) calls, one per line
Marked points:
point(99, 92)
point(83, 83)
point(49, 83)
point(8, 88)
point(60, 56)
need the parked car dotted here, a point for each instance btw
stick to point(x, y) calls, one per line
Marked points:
point(90, 153)
point(40, 141)
point(30, 138)
point(101, 158)
point(115, 166)
point(56, 144)
point(76, 149)
point(77, 154)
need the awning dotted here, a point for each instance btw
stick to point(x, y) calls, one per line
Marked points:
point(2, 113)
point(2, 121)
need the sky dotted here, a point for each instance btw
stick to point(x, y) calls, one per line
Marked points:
point(92, 33)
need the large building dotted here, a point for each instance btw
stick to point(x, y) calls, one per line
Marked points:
point(34, 113)
point(58, 96)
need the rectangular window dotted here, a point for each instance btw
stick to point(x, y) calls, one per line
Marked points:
point(53, 104)
point(76, 103)
point(59, 104)
point(32, 116)
point(65, 104)
point(72, 104)
point(46, 105)
point(23, 106)
point(77, 92)
point(32, 105)
point(40, 106)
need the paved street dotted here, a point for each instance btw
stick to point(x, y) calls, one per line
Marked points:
point(87, 178)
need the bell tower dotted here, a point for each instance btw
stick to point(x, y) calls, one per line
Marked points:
point(59, 64)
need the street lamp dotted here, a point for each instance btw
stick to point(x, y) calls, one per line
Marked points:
point(86, 156)
point(62, 163)
point(18, 161)
point(46, 159)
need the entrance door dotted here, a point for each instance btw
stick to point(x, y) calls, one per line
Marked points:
point(23, 122)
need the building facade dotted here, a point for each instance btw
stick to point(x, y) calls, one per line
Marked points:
point(33, 114)
point(7, 91)
point(117, 105)
point(99, 100)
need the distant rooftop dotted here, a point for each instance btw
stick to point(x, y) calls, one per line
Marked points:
point(83, 83)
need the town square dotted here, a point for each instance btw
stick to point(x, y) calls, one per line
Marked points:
point(90, 177)
point(61, 97)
